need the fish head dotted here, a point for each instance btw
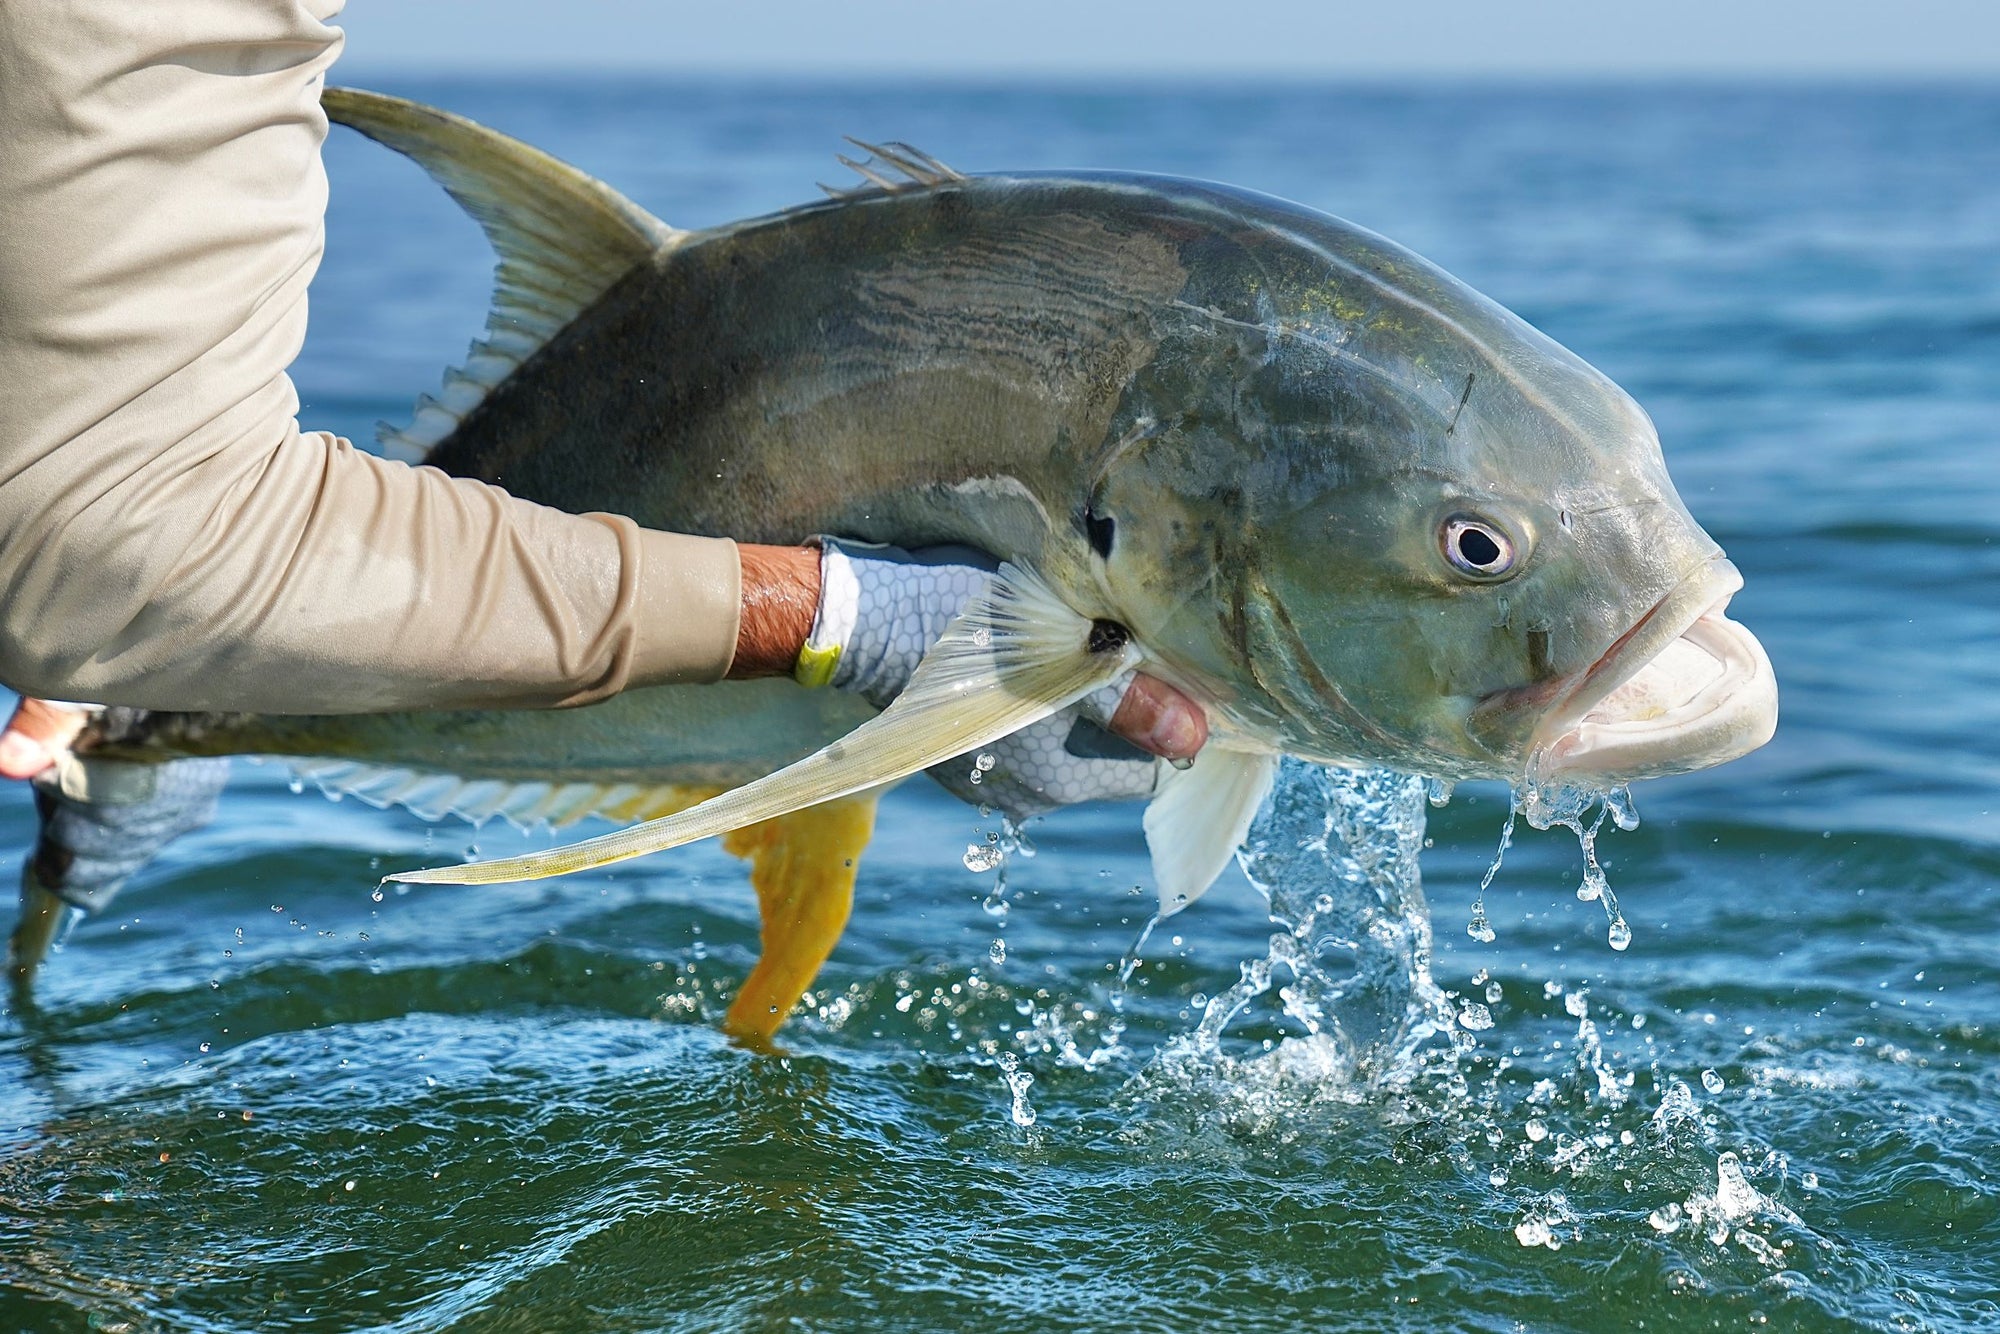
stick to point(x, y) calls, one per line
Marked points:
point(1439, 542)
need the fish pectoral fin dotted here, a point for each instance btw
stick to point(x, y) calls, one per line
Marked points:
point(1013, 657)
point(802, 866)
point(1199, 818)
point(562, 238)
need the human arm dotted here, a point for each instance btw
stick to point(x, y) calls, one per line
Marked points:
point(169, 537)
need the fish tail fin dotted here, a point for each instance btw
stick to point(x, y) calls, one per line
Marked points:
point(562, 238)
point(802, 866)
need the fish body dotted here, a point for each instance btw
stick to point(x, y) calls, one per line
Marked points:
point(1359, 512)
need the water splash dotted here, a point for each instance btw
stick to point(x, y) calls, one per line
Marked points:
point(1548, 805)
point(1335, 852)
point(1544, 806)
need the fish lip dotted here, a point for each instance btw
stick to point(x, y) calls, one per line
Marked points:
point(1564, 701)
point(1730, 713)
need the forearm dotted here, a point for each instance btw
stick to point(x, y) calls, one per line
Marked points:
point(168, 537)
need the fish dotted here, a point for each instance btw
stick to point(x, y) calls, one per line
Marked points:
point(1357, 511)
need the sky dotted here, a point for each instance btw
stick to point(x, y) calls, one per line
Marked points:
point(1385, 39)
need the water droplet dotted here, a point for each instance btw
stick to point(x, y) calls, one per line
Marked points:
point(1711, 1081)
point(1810, 1181)
point(204, 1046)
point(1018, 1083)
point(297, 785)
point(1478, 928)
point(997, 951)
point(1437, 791)
point(982, 637)
point(982, 857)
point(1536, 1131)
point(1474, 1016)
point(377, 895)
point(1493, 993)
point(1497, 1177)
point(1577, 1004)
point(348, 1186)
point(984, 761)
point(1619, 934)
point(1667, 1218)
point(976, 776)
point(1533, 1231)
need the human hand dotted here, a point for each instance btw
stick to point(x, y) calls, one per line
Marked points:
point(880, 610)
point(39, 732)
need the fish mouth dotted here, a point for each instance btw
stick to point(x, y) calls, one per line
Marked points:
point(1685, 688)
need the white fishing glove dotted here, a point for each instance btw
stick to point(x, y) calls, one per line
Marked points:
point(880, 610)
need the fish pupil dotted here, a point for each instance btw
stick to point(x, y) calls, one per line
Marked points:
point(1477, 548)
point(1100, 529)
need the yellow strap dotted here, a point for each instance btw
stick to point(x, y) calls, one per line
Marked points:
point(815, 665)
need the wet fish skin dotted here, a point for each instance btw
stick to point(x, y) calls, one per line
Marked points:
point(1269, 410)
point(1272, 409)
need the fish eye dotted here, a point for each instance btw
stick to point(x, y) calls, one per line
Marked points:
point(1476, 548)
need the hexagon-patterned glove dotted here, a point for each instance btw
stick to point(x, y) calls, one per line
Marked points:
point(880, 610)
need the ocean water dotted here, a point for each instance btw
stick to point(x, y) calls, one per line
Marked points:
point(253, 1098)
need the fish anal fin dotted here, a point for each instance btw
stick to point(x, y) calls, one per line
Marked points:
point(561, 236)
point(526, 805)
point(802, 866)
point(1199, 818)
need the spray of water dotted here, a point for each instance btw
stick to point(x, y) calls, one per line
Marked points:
point(1335, 852)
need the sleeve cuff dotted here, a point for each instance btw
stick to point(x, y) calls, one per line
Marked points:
point(689, 603)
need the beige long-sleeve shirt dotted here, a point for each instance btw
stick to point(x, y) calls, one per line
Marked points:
point(169, 537)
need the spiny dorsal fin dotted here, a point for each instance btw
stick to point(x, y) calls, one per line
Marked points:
point(562, 238)
point(891, 167)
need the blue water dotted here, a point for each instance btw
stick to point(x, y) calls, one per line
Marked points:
point(253, 1098)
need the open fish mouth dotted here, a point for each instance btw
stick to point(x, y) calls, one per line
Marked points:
point(1685, 689)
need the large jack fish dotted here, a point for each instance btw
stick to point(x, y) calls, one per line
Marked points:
point(1359, 512)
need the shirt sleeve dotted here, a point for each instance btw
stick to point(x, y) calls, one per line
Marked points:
point(169, 537)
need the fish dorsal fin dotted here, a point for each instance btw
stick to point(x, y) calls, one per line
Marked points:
point(1199, 819)
point(891, 167)
point(527, 805)
point(562, 238)
point(1012, 658)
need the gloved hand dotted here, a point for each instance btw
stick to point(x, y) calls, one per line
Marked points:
point(880, 610)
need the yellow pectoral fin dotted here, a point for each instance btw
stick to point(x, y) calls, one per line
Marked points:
point(802, 866)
